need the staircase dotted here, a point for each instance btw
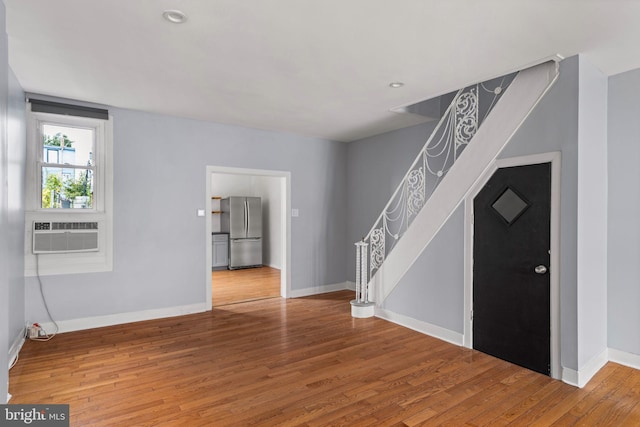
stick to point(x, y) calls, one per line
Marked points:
point(478, 123)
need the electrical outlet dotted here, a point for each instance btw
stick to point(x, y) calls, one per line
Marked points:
point(36, 331)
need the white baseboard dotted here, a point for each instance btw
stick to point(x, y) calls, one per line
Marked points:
point(570, 376)
point(351, 285)
point(581, 377)
point(622, 357)
point(16, 346)
point(316, 290)
point(120, 318)
point(420, 326)
point(277, 267)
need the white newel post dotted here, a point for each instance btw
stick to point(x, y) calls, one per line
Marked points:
point(361, 307)
point(364, 277)
point(358, 277)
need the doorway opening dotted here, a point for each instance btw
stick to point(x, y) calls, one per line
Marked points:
point(270, 278)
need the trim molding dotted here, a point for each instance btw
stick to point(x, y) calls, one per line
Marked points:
point(570, 376)
point(316, 290)
point(581, 377)
point(623, 358)
point(420, 326)
point(16, 345)
point(277, 267)
point(81, 324)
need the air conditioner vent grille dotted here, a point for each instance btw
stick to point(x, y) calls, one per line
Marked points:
point(74, 225)
point(61, 237)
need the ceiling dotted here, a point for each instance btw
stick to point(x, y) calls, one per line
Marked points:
point(314, 68)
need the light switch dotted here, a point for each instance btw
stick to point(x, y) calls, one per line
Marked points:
point(200, 212)
point(295, 212)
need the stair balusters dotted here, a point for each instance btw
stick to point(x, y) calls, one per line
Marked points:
point(456, 128)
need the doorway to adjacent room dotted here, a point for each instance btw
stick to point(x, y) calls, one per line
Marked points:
point(225, 286)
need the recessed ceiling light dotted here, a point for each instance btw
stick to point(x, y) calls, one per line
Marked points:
point(396, 85)
point(174, 16)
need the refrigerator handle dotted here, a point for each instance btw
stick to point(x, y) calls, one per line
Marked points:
point(246, 218)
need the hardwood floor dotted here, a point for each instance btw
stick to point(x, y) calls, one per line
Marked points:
point(230, 287)
point(301, 362)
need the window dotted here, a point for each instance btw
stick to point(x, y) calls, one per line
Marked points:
point(69, 180)
point(67, 168)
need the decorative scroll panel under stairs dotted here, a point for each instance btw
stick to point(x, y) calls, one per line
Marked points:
point(454, 132)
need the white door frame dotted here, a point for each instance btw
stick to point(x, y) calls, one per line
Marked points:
point(285, 229)
point(554, 268)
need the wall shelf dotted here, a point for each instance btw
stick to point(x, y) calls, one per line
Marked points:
point(216, 211)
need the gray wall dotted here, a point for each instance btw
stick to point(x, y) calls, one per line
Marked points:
point(624, 211)
point(12, 203)
point(17, 154)
point(376, 165)
point(433, 289)
point(270, 189)
point(159, 242)
point(5, 315)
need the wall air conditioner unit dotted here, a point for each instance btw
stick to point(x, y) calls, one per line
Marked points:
point(62, 237)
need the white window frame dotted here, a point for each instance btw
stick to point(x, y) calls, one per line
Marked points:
point(101, 211)
point(97, 125)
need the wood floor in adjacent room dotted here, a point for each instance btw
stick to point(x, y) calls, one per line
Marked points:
point(301, 362)
point(248, 284)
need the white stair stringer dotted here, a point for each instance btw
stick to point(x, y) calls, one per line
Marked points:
point(526, 90)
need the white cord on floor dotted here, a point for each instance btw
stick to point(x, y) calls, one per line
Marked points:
point(47, 337)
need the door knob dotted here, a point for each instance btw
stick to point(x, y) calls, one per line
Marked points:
point(541, 269)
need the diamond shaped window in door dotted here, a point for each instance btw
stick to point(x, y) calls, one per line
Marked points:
point(509, 205)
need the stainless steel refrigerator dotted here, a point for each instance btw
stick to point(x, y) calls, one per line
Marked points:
point(242, 219)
